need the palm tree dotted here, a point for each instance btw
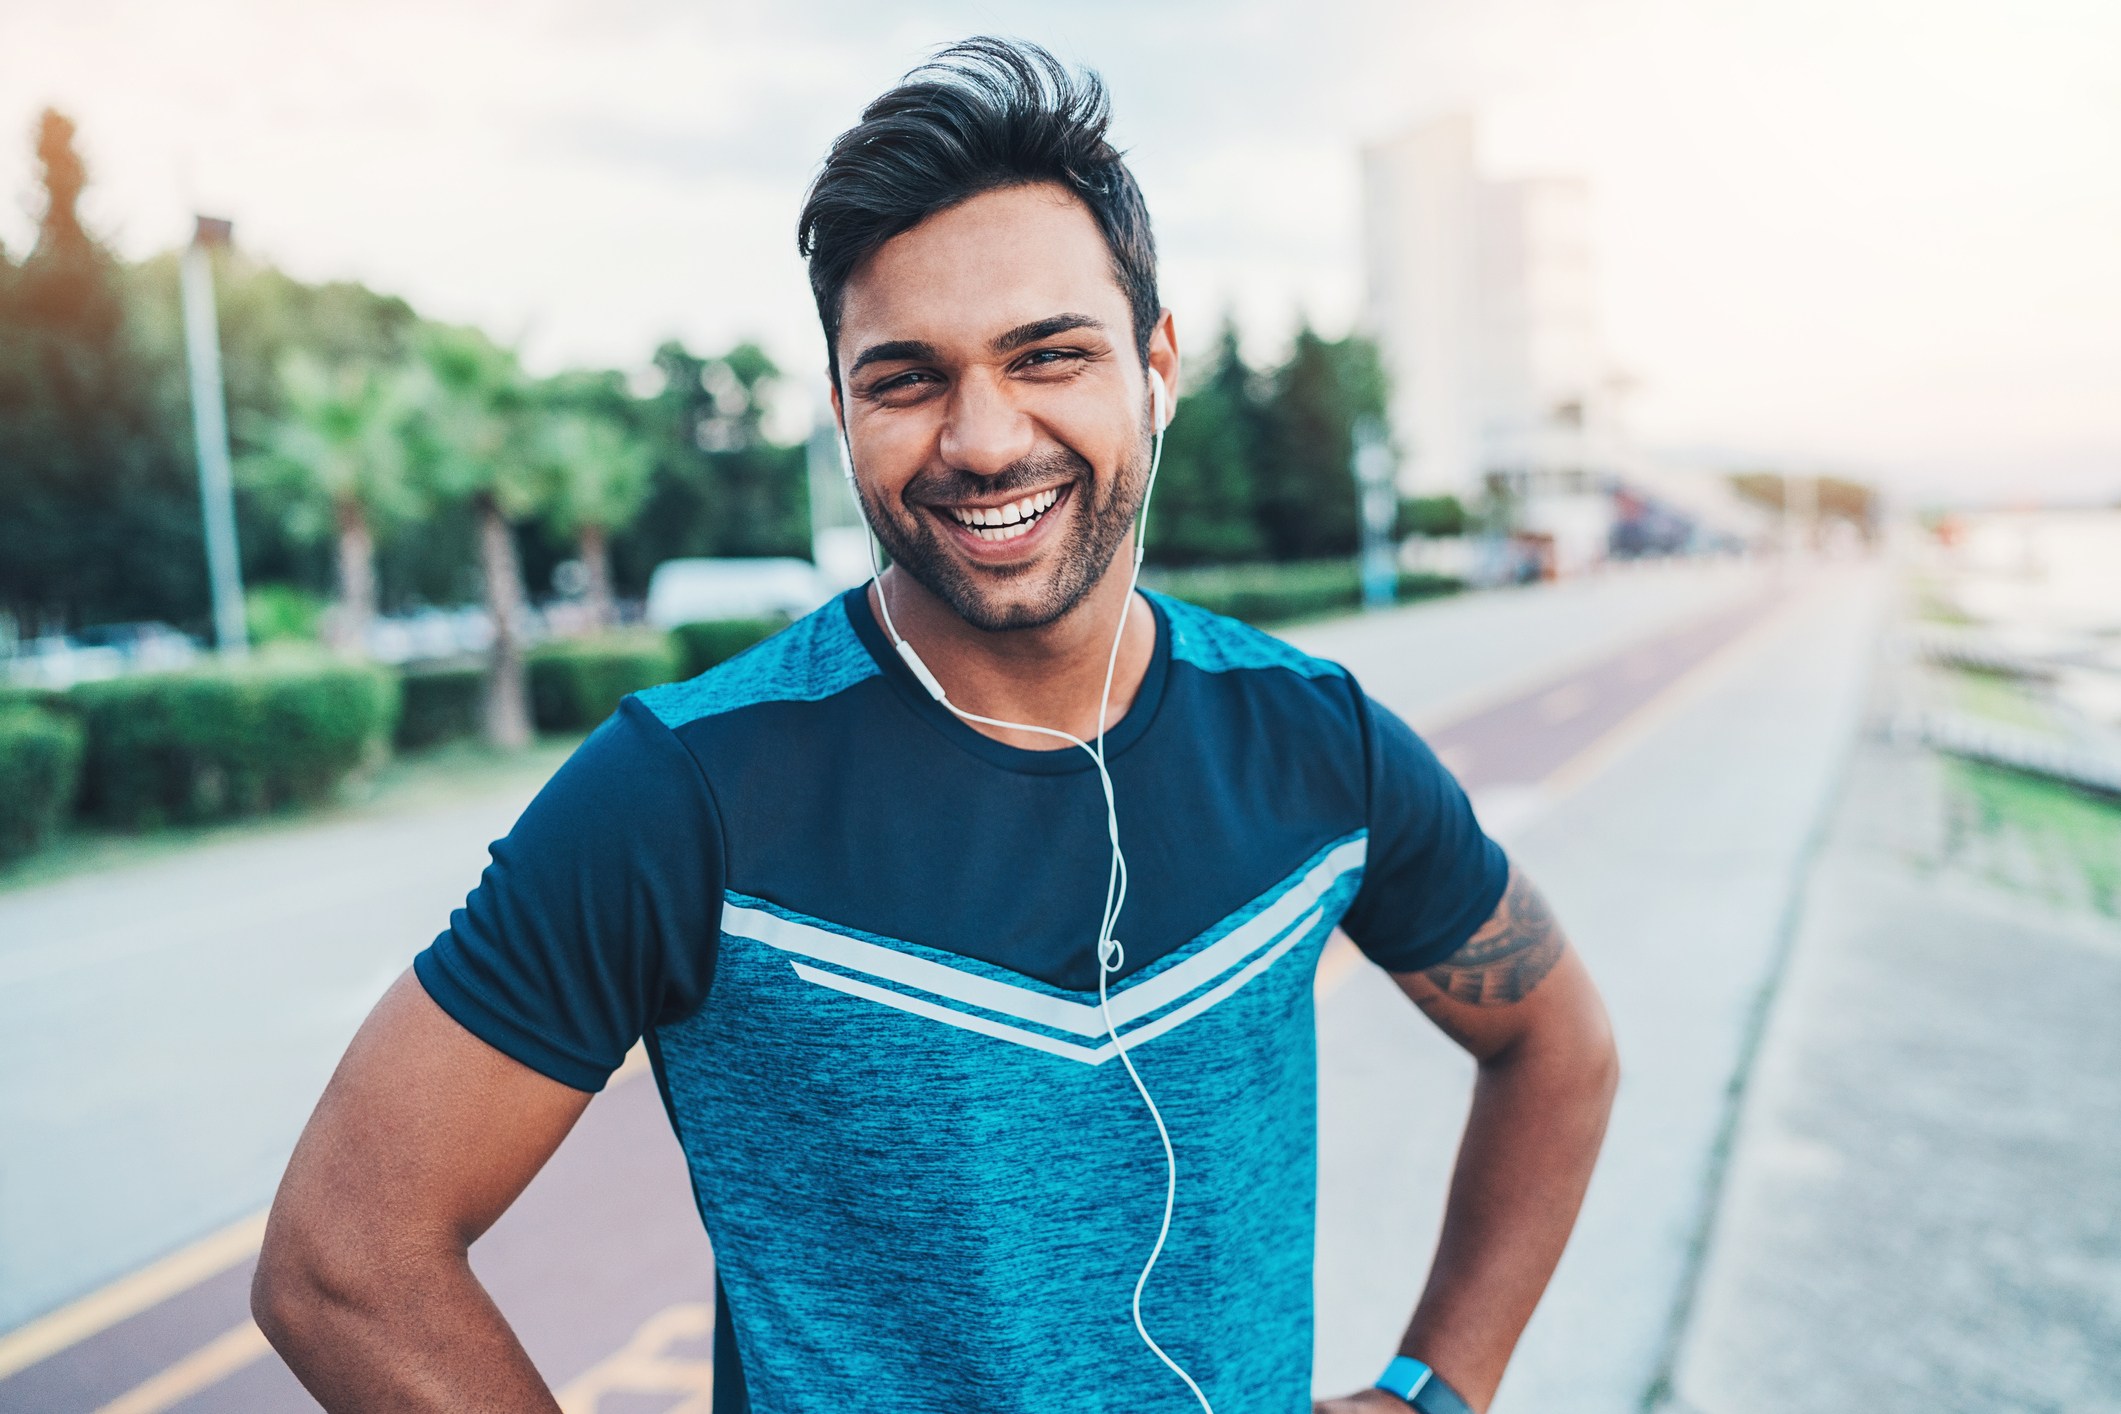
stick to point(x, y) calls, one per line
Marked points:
point(337, 451)
point(598, 473)
point(472, 441)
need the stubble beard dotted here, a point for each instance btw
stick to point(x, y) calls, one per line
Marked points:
point(1098, 526)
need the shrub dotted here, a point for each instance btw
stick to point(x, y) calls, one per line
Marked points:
point(281, 613)
point(1267, 593)
point(703, 645)
point(576, 683)
point(227, 740)
point(1431, 515)
point(1421, 584)
point(1279, 593)
point(442, 702)
point(40, 767)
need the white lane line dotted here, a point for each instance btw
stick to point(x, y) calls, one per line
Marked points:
point(210, 1364)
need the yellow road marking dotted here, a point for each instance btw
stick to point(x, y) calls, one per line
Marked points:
point(644, 1365)
point(128, 1296)
point(210, 1364)
point(178, 1272)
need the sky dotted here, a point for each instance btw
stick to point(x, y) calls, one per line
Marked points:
point(1868, 236)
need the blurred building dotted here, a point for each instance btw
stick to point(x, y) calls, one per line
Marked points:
point(1480, 300)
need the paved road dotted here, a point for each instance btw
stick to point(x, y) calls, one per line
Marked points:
point(599, 1325)
point(1670, 852)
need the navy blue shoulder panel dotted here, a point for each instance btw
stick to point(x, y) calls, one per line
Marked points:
point(855, 809)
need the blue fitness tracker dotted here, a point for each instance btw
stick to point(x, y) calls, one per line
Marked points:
point(1421, 1387)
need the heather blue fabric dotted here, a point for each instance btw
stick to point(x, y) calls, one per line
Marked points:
point(815, 658)
point(1216, 644)
point(858, 937)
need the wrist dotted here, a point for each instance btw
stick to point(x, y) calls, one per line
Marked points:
point(1415, 1385)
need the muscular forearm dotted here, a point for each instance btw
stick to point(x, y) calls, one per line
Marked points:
point(414, 1332)
point(1538, 1116)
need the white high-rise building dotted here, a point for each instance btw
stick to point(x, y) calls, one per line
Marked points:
point(1480, 300)
point(1419, 197)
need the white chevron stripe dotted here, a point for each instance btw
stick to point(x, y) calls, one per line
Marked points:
point(854, 987)
point(1129, 1004)
point(1134, 1002)
point(1067, 1050)
point(1214, 996)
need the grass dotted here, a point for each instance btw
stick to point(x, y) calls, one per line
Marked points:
point(2000, 699)
point(406, 784)
point(2038, 836)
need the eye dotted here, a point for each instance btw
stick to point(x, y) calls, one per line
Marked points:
point(1049, 358)
point(900, 382)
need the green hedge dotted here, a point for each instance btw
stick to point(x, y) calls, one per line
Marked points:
point(40, 767)
point(1269, 593)
point(442, 702)
point(703, 645)
point(576, 683)
point(221, 741)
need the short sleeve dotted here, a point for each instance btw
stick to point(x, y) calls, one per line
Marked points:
point(599, 912)
point(1432, 877)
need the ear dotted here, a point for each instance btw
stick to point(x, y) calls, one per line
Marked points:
point(845, 449)
point(1163, 366)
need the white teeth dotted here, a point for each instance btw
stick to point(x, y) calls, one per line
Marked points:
point(1005, 522)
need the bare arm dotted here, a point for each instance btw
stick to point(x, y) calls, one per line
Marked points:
point(423, 1138)
point(1519, 1000)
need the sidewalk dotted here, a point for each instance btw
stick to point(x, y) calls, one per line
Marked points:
point(1922, 1208)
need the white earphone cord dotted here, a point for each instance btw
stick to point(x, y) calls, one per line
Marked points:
point(1111, 953)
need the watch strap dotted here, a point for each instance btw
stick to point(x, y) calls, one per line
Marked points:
point(1421, 1387)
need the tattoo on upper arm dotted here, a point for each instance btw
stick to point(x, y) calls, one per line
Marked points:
point(1510, 955)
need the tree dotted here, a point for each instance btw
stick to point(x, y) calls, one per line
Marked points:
point(1204, 507)
point(469, 443)
point(336, 454)
point(597, 469)
point(265, 317)
point(1307, 495)
point(99, 511)
point(720, 487)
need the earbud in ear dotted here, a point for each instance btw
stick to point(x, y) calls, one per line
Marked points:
point(1159, 411)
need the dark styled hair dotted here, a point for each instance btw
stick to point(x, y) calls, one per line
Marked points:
point(981, 115)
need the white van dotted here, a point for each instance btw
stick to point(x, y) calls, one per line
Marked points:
point(693, 591)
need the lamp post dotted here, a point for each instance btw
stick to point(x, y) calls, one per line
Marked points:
point(1380, 508)
point(209, 416)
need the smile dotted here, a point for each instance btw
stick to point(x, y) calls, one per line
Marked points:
point(997, 524)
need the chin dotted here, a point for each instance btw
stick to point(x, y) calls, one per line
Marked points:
point(1010, 610)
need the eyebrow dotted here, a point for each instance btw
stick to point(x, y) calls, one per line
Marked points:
point(916, 351)
point(892, 351)
point(1046, 328)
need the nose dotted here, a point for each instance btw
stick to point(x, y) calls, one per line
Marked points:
point(984, 432)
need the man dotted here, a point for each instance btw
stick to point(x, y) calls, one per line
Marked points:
point(859, 934)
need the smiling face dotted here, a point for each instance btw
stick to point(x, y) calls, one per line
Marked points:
point(995, 407)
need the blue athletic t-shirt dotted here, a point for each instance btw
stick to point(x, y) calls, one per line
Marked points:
point(858, 937)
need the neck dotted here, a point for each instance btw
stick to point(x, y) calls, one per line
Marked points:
point(1051, 676)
